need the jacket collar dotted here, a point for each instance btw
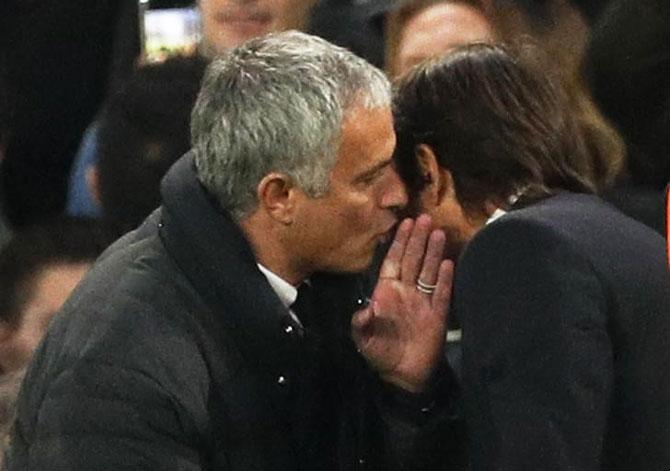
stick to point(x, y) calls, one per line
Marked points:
point(212, 251)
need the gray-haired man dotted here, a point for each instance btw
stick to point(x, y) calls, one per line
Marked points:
point(184, 348)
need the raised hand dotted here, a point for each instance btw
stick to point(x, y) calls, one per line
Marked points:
point(401, 333)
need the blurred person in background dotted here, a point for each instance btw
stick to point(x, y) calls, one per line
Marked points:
point(424, 29)
point(564, 301)
point(142, 131)
point(39, 268)
point(229, 23)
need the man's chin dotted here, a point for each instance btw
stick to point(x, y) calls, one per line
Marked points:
point(353, 265)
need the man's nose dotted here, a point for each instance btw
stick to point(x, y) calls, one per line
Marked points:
point(395, 196)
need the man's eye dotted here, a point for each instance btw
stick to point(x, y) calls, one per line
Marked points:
point(373, 176)
point(367, 180)
point(370, 178)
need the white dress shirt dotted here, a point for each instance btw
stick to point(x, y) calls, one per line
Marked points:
point(286, 292)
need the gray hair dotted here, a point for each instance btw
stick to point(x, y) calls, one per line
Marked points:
point(277, 103)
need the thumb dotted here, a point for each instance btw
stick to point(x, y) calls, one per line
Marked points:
point(359, 322)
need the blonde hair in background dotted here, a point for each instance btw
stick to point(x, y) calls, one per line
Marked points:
point(562, 40)
point(557, 43)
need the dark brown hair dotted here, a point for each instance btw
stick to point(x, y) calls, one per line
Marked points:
point(143, 130)
point(499, 126)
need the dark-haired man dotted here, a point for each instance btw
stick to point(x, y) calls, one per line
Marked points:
point(564, 301)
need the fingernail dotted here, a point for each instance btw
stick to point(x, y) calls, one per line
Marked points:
point(424, 219)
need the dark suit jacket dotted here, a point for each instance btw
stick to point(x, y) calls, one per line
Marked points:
point(175, 353)
point(565, 307)
point(643, 203)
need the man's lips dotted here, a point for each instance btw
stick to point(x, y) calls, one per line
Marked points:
point(387, 235)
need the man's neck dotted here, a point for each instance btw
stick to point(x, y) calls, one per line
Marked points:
point(270, 249)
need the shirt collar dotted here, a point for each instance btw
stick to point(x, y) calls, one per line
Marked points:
point(286, 292)
point(496, 214)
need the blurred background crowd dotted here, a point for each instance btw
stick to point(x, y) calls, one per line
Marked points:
point(92, 113)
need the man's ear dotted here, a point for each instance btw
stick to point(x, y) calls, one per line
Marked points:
point(437, 180)
point(277, 196)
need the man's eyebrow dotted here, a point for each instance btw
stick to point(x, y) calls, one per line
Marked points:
point(372, 170)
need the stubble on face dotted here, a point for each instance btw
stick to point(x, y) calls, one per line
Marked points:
point(340, 231)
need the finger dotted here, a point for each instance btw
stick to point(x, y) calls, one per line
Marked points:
point(431, 262)
point(416, 247)
point(442, 294)
point(391, 266)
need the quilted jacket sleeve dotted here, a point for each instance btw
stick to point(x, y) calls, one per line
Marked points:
point(108, 418)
